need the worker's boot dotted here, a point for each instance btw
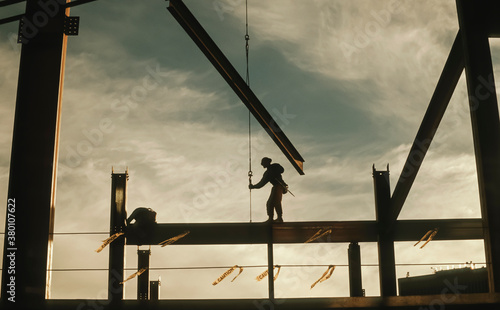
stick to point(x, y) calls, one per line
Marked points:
point(278, 220)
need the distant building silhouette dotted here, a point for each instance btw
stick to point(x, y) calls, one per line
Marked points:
point(454, 281)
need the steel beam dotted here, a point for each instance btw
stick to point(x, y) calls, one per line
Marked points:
point(385, 233)
point(270, 263)
point(193, 28)
point(435, 111)
point(32, 180)
point(300, 232)
point(10, 19)
point(143, 259)
point(78, 2)
point(473, 20)
point(117, 248)
point(9, 2)
point(443, 301)
point(492, 16)
point(355, 279)
point(154, 290)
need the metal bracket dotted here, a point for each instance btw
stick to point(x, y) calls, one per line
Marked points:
point(71, 25)
point(20, 37)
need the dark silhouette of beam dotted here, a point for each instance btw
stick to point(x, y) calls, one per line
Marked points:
point(474, 22)
point(355, 279)
point(143, 260)
point(270, 264)
point(154, 290)
point(193, 28)
point(11, 19)
point(435, 111)
point(18, 17)
point(9, 2)
point(117, 224)
point(300, 232)
point(385, 233)
point(33, 165)
point(77, 2)
point(491, 15)
point(452, 302)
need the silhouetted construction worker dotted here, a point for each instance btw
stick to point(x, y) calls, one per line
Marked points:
point(142, 216)
point(142, 223)
point(273, 175)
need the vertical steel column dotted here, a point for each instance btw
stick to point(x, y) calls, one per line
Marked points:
point(387, 262)
point(32, 180)
point(485, 125)
point(270, 262)
point(355, 282)
point(117, 225)
point(154, 290)
point(143, 258)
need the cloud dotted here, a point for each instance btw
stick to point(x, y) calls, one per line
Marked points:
point(392, 51)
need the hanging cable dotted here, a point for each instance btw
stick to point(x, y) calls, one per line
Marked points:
point(247, 48)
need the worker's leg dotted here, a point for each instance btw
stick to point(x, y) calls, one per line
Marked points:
point(274, 202)
point(277, 205)
point(279, 210)
point(270, 206)
point(271, 202)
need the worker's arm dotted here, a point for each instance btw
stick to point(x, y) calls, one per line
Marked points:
point(132, 217)
point(262, 182)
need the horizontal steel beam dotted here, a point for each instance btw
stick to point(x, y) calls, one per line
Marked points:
point(18, 17)
point(453, 301)
point(439, 102)
point(300, 232)
point(9, 2)
point(11, 19)
point(77, 2)
point(193, 28)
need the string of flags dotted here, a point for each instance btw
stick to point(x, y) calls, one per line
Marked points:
point(112, 238)
point(326, 275)
point(322, 232)
point(319, 234)
point(429, 235)
point(258, 278)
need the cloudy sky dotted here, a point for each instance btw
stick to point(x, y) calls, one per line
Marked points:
point(348, 81)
